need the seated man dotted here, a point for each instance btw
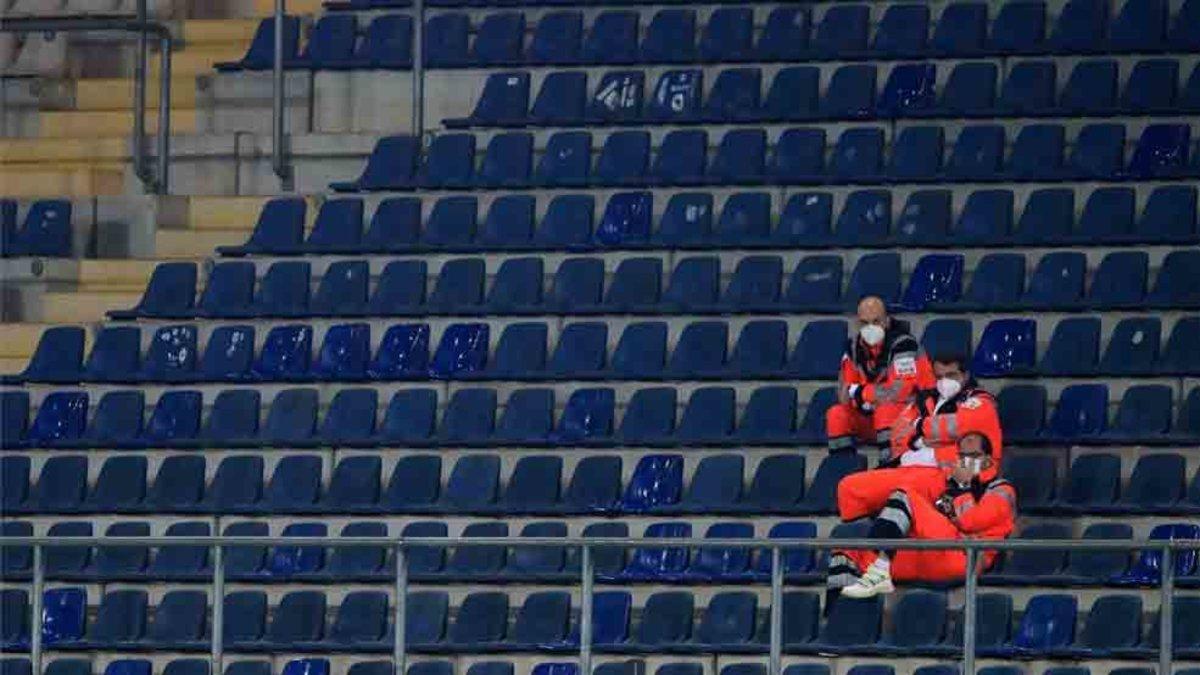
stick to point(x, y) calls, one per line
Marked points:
point(924, 440)
point(971, 507)
point(881, 369)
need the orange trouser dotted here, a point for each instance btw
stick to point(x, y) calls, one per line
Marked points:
point(931, 565)
point(846, 425)
point(865, 493)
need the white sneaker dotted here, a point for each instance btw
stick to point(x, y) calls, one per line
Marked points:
point(873, 582)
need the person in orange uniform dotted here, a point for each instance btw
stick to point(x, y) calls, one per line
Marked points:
point(881, 369)
point(971, 506)
point(924, 440)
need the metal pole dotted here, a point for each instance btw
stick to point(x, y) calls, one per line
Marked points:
point(218, 613)
point(776, 610)
point(418, 102)
point(400, 646)
point(139, 100)
point(278, 122)
point(1166, 620)
point(35, 625)
point(164, 118)
point(585, 609)
point(969, 603)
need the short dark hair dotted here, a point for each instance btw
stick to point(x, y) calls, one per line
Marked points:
point(983, 441)
point(948, 357)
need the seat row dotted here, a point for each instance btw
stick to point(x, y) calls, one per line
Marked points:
point(45, 231)
point(859, 156)
point(690, 220)
point(789, 33)
point(922, 623)
point(794, 94)
point(415, 486)
point(1093, 485)
point(335, 44)
point(757, 284)
point(611, 564)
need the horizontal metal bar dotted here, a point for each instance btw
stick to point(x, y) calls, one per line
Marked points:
point(825, 543)
point(82, 25)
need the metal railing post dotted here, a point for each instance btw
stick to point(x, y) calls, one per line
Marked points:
point(141, 67)
point(776, 664)
point(969, 604)
point(400, 645)
point(1166, 620)
point(418, 74)
point(35, 624)
point(218, 612)
point(278, 123)
point(164, 117)
point(587, 574)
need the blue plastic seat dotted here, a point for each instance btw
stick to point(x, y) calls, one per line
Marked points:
point(694, 285)
point(400, 289)
point(292, 418)
point(60, 420)
point(728, 623)
point(925, 219)
point(117, 421)
point(115, 356)
point(756, 285)
point(1074, 349)
point(700, 351)
point(1098, 566)
point(567, 223)
point(761, 350)
point(14, 417)
point(595, 487)
point(534, 485)
point(46, 231)
point(1133, 348)
point(1047, 624)
point(649, 417)
point(624, 159)
point(354, 484)
point(1183, 32)
point(1056, 282)
point(507, 162)
point(1091, 89)
point(969, 90)
point(61, 486)
point(286, 561)
point(1139, 27)
point(463, 350)
point(1029, 89)
point(641, 351)
point(581, 351)
point(459, 287)
point(618, 98)
point(391, 165)
point(613, 38)
point(794, 94)
point(670, 37)
point(1157, 484)
point(902, 32)
point(1080, 27)
point(1178, 281)
point(1037, 153)
point(499, 40)
point(295, 485)
point(448, 46)
point(857, 157)
point(820, 496)
point(686, 220)
point(1169, 215)
point(785, 35)
point(636, 285)
point(566, 161)
point(799, 157)
point(656, 562)
point(1007, 347)
point(482, 619)
point(170, 294)
point(977, 153)
point(740, 158)
point(1161, 152)
point(1151, 86)
point(1081, 413)
point(330, 44)
point(588, 417)
point(947, 336)
point(425, 623)
point(350, 418)
point(715, 487)
point(681, 158)
point(1181, 355)
point(415, 484)
point(657, 481)
point(819, 342)
point(1098, 152)
point(285, 355)
point(910, 88)
point(916, 154)
point(449, 162)
point(387, 44)
point(841, 32)
point(961, 29)
point(851, 624)
point(520, 352)
point(1019, 27)
point(343, 290)
point(260, 55)
point(736, 93)
point(875, 274)
point(470, 416)
point(517, 287)
point(557, 39)
point(724, 563)
point(866, 219)
point(850, 94)
point(229, 291)
point(284, 290)
point(708, 416)
point(728, 36)
point(1107, 215)
point(562, 97)
point(769, 416)
point(280, 228)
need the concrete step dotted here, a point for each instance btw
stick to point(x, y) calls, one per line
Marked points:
point(93, 123)
point(57, 150)
point(218, 31)
point(198, 60)
point(117, 94)
point(19, 342)
point(115, 274)
point(35, 180)
point(227, 213)
point(83, 305)
point(192, 244)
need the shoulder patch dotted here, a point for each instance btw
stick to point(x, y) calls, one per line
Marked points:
point(972, 403)
point(905, 365)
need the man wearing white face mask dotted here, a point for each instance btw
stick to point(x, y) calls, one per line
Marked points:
point(881, 369)
point(969, 506)
point(924, 440)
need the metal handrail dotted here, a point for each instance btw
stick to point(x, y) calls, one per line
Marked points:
point(159, 184)
point(279, 155)
point(972, 547)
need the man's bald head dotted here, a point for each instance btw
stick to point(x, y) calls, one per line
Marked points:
point(873, 312)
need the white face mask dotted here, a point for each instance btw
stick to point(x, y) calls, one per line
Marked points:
point(871, 334)
point(948, 388)
point(972, 464)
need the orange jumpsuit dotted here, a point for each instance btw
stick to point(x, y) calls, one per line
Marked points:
point(931, 432)
point(986, 510)
point(888, 375)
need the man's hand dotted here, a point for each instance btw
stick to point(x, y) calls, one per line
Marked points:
point(961, 476)
point(945, 505)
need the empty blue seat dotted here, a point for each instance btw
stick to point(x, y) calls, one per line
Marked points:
point(641, 351)
point(45, 232)
point(233, 418)
point(1047, 624)
point(562, 97)
point(851, 92)
point(793, 95)
point(391, 165)
point(977, 153)
point(1161, 152)
point(1007, 347)
point(64, 615)
point(857, 156)
point(947, 336)
point(179, 485)
point(588, 417)
point(449, 162)
point(903, 31)
point(656, 562)
point(875, 274)
point(785, 35)
point(121, 486)
point(1091, 88)
point(567, 222)
point(821, 492)
point(403, 353)
point(724, 563)
point(910, 88)
point(517, 286)
point(761, 350)
point(851, 623)
point(499, 40)
point(170, 294)
point(1098, 152)
point(866, 219)
point(1169, 215)
point(1178, 281)
point(295, 485)
point(581, 351)
point(260, 55)
point(735, 95)
point(916, 154)
point(1133, 348)
point(595, 487)
point(354, 485)
point(330, 43)
point(819, 342)
point(1019, 27)
point(459, 287)
point(636, 285)
point(769, 416)
point(462, 350)
point(62, 485)
point(613, 38)
point(115, 356)
point(1183, 31)
point(229, 291)
point(700, 351)
point(284, 290)
point(708, 416)
point(118, 419)
point(387, 44)
point(670, 37)
point(1139, 26)
point(728, 35)
point(470, 416)
point(657, 481)
point(1057, 281)
point(740, 158)
point(681, 158)
point(1181, 355)
point(1144, 414)
point(624, 159)
point(448, 46)
point(686, 220)
point(1081, 413)
point(618, 98)
point(1037, 153)
point(415, 484)
point(285, 354)
point(1151, 87)
point(507, 162)
point(935, 281)
point(280, 228)
point(1074, 349)
point(1098, 566)
point(14, 417)
point(756, 285)
point(482, 619)
point(534, 486)
point(474, 483)
point(557, 39)
point(841, 32)
point(694, 285)
point(1157, 484)
point(520, 352)
point(799, 158)
point(60, 420)
point(343, 289)
point(1029, 89)
point(399, 290)
point(566, 161)
point(649, 417)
